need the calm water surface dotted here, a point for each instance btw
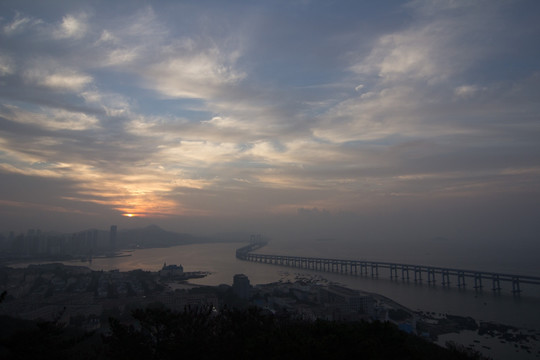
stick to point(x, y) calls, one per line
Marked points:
point(219, 259)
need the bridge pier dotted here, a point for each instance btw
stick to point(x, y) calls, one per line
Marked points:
point(445, 278)
point(496, 283)
point(417, 274)
point(374, 270)
point(515, 286)
point(405, 273)
point(478, 281)
point(461, 279)
point(393, 272)
point(431, 276)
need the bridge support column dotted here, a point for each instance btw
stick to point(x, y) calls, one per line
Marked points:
point(496, 283)
point(431, 276)
point(515, 286)
point(405, 273)
point(461, 279)
point(374, 270)
point(478, 281)
point(445, 278)
point(393, 272)
point(417, 274)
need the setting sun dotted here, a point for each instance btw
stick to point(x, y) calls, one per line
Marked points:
point(129, 215)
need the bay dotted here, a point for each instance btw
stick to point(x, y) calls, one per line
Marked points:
point(219, 260)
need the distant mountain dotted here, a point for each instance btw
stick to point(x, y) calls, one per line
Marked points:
point(154, 236)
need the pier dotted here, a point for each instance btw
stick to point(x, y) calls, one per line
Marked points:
point(406, 272)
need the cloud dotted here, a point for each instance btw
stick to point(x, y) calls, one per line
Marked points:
point(115, 105)
point(121, 56)
point(61, 80)
point(466, 90)
point(106, 37)
point(19, 23)
point(424, 52)
point(42, 207)
point(197, 75)
point(54, 119)
point(376, 115)
point(179, 109)
point(72, 26)
point(65, 81)
point(6, 66)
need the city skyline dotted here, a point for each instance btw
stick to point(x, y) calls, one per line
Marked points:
point(397, 121)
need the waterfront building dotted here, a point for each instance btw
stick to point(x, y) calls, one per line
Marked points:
point(171, 270)
point(347, 299)
point(241, 286)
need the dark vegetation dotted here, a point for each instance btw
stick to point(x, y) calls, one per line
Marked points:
point(398, 314)
point(159, 333)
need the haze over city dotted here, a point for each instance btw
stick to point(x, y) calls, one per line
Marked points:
point(365, 121)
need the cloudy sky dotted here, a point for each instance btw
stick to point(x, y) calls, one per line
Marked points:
point(319, 118)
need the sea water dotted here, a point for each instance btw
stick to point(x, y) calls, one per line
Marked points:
point(218, 259)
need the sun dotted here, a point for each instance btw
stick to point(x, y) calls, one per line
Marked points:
point(129, 215)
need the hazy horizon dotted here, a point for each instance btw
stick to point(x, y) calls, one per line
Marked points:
point(357, 121)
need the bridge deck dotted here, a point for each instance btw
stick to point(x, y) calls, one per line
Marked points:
point(407, 271)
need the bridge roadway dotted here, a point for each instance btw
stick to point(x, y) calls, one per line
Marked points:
point(408, 272)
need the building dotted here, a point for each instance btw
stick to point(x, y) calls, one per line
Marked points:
point(241, 286)
point(168, 271)
point(347, 299)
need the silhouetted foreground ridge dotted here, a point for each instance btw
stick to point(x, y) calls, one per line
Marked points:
point(159, 333)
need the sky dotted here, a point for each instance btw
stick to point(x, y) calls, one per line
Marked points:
point(300, 119)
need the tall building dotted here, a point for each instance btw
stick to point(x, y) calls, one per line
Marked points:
point(241, 286)
point(112, 237)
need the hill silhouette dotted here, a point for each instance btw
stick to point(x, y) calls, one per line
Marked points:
point(154, 236)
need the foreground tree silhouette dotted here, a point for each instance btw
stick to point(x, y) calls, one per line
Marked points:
point(249, 334)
